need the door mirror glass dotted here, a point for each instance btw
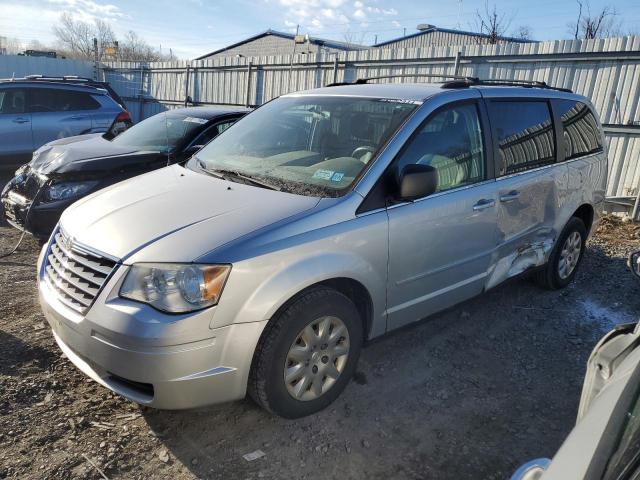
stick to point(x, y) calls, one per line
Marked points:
point(634, 263)
point(417, 181)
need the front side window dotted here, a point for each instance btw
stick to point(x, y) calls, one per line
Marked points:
point(12, 100)
point(310, 145)
point(58, 100)
point(525, 134)
point(162, 132)
point(212, 132)
point(581, 134)
point(450, 141)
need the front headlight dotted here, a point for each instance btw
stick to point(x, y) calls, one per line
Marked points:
point(65, 190)
point(175, 288)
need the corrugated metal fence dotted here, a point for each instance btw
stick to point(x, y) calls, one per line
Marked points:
point(605, 70)
point(15, 66)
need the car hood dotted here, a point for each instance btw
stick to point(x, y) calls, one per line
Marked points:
point(84, 153)
point(175, 215)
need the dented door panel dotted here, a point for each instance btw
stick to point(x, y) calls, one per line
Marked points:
point(527, 225)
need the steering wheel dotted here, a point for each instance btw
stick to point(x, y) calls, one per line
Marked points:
point(361, 151)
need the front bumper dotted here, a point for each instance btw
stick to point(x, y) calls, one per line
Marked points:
point(139, 364)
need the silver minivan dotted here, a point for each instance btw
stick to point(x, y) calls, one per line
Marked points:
point(319, 221)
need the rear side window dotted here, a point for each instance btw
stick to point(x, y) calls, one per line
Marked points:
point(581, 135)
point(56, 100)
point(12, 100)
point(525, 135)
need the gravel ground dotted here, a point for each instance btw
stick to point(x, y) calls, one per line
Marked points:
point(467, 394)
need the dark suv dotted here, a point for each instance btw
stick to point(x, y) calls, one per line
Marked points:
point(36, 110)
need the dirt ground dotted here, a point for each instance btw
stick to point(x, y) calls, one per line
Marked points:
point(468, 394)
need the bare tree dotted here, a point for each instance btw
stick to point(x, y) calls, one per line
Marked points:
point(523, 32)
point(75, 38)
point(134, 48)
point(491, 23)
point(595, 25)
point(12, 46)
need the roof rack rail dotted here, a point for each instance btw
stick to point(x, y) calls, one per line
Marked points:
point(509, 83)
point(458, 81)
point(362, 81)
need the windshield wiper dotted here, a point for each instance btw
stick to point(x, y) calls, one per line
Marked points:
point(230, 175)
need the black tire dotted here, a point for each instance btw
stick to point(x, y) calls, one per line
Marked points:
point(549, 276)
point(266, 383)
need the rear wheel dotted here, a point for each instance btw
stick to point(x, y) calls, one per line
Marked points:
point(307, 354)
point(565, 257)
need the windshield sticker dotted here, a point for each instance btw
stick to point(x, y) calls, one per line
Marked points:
point(201, 121)
point(400, 100)
point(323, 174)
point(337, 177)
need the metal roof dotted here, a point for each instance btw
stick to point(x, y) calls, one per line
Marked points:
point(403, 91)
point(433, 29)
point(290, 36)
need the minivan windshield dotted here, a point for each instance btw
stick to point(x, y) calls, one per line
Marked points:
point(309, 145)
point(162, 132)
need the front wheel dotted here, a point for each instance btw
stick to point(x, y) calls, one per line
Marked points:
point(307, 354)
point(565, 257)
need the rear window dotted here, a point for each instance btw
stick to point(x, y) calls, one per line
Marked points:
point(525, 135)
point(57, 100)
point(581, 135)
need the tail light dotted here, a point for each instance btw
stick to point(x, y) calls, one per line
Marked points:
point(123, 116)
point(120, 124)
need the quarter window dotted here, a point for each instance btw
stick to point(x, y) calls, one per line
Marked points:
point(581, 135)
point(525, 135)
point(451, 142)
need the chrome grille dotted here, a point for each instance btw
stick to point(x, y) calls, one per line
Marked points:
point(75, 273)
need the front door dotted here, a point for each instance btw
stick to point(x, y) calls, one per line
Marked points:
point(16, 144)
point(440, 247)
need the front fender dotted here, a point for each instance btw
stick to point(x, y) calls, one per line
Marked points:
point(281, 285)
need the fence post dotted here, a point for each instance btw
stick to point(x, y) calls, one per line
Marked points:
point(247, 100)
point(186, 85)
point(141, 95)
point(335, 69)
point(456, 64)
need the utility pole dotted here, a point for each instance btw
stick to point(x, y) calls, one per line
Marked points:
point(404, 32)
point(96, 66)
point(375, 39)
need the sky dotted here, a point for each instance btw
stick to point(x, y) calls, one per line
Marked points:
point(194, 27)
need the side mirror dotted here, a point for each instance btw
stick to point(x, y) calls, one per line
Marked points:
point(634, 263)
point(417, 181)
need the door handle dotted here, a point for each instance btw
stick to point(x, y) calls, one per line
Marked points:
point(20, 120)
point(484, 203)
point(77, 117)
point(509, 197)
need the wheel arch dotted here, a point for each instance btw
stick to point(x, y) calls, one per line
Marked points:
point(585, 212)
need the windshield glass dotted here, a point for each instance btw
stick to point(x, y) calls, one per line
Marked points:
point(162, 132)
point(310, 145)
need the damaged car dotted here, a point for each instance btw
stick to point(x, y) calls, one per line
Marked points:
point(321, 220)
point(65, 170)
